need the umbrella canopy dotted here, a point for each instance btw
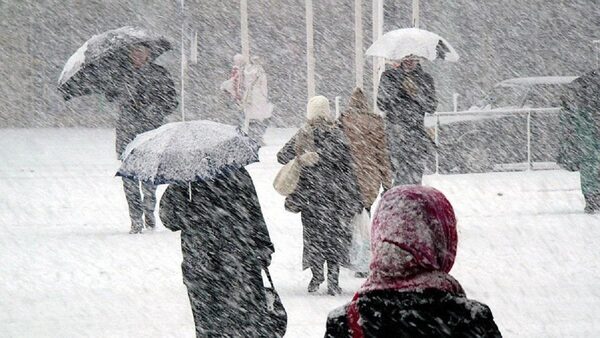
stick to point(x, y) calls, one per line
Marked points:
point(183, 152)
point(399, 43)
point(96, 65)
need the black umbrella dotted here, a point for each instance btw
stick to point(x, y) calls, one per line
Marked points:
point(98, 64)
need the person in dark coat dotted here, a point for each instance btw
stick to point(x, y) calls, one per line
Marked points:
point(406, 93)
point(146, 95)
point(409, 291)
point(327, 194)
point(225, 244)
point(580, 149)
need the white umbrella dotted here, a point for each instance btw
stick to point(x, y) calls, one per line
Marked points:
point(183, 152)
point(399, 43)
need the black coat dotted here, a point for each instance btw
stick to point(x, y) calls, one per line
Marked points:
point(224, 242)
point(145, 96)
point(405, 98)
point(327, 195)
point(433, 313)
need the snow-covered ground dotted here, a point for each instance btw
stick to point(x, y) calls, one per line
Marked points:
point(69, 269)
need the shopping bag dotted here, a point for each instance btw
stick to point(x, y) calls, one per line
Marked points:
point(360, 253)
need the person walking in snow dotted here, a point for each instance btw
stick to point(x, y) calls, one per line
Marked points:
point(234, 86)
point(368, 147)
point(225, 244)
point(146, 96)
point(255, 101)
point(409, 291)
point(326, 196)
point(406, 93)
point(366, 135)
point(581, 147)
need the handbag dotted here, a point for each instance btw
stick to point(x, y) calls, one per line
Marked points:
point(276, 319)
point(287, 178)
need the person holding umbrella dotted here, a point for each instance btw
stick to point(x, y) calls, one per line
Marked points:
point(119, 64)
point(146, 97)
point(212, 201)
point(405, 94)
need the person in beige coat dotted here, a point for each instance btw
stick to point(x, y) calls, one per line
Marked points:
point(368, 147)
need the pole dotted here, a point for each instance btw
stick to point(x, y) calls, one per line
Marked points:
point(310, 50)
point(415, 13)
point(437, 143)
point(244, 30)
point(194, 49)
point(529, 166)
point(182, 60)
point(378, 63)
point(358, 44)
point(597, 48)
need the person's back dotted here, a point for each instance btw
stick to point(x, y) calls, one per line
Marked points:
point(431, 313)
point(225, 243)
point(368, 145)
point(409, 291)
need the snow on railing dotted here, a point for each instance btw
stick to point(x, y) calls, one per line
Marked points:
point(474, 115)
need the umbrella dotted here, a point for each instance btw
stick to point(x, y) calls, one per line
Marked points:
point(397, 44)
point(98, 63)
point(183, 152)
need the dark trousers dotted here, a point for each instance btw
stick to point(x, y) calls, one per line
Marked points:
point(333, 273)
point(257, 129)
point(139, 202)
point(592, 202)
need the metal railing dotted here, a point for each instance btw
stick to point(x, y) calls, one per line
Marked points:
point(487, 114)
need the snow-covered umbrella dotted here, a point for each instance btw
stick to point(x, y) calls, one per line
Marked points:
point(399, 43)
point(100, 61)
point(184, 152)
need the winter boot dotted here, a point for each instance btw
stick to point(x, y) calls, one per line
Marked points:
point(136, 227)
point(592, 203)
point(150, 221)
point(316, 280)
point(333, 276)
point(333, 290)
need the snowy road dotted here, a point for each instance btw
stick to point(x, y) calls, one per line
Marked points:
point(69, 268)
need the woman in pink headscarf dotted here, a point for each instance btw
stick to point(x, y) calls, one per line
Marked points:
point(409, 291)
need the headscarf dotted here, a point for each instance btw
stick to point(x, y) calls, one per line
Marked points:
point(413, 242)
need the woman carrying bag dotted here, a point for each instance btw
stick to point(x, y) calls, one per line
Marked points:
point(326, 194)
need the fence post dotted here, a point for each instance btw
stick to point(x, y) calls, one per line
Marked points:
point(529, 166)
point(437, 143)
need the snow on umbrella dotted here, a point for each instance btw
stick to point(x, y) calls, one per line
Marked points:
point(101, 59)
point(183, 152)
point(399, 43)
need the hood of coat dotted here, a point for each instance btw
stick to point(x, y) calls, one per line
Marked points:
point(358, 103)
point(416, 226)
point(413, 242)
point(318, 108)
